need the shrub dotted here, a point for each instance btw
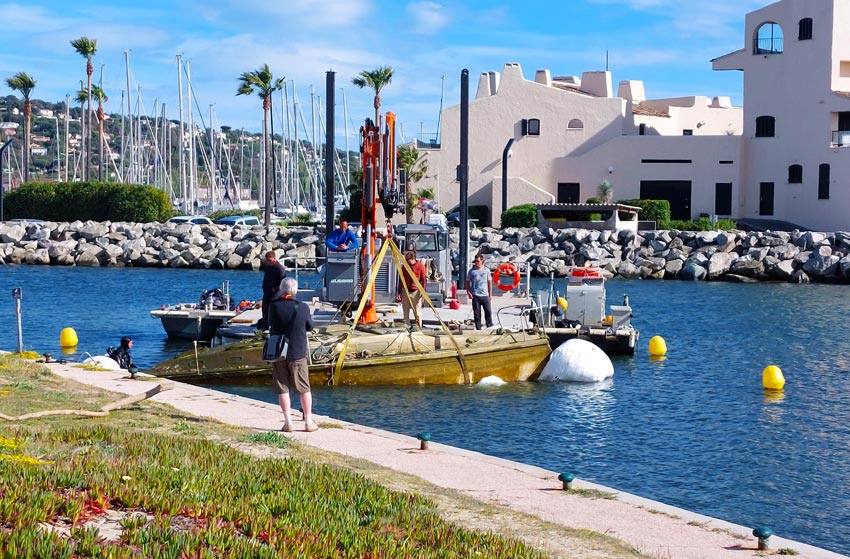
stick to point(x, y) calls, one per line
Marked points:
point(520, 216)
point(88, 201)
point(702, 224)
point(216, 215)
point(651, 210)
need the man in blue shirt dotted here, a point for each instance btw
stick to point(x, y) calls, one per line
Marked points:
point(342, 239)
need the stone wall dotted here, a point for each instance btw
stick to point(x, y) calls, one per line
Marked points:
point(711, 255)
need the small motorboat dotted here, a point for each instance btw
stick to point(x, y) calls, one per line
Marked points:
point(198, 321)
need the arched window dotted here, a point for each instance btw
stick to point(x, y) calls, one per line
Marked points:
point(805, 29)
point(575, 124)
point(795, 174)
point(768, 39)
point(765, 127)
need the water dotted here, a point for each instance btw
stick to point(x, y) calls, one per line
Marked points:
point(695, 430)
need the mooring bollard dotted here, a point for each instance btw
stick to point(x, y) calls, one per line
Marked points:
point(423, 440)
point(567, 479)
point(763, 534)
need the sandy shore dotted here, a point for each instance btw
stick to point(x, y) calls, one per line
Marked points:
point(653, 528)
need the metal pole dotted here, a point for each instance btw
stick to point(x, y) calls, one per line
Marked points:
point(330, 149)
point(2, 191)
point(463, 178)
point(20, 331)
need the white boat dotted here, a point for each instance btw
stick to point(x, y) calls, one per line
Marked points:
point(198, 321)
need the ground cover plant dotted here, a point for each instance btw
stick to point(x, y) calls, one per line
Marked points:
point(140, 484)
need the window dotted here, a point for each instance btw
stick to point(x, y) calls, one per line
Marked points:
point(687, 132)
point(569, 193)
point(823, 181)
point(723, 198)
point(765, 127)
point(575, 124)
point(531, 127)
point(795, 174)
point(642, 129)
point(805, 29)
point(768, 39)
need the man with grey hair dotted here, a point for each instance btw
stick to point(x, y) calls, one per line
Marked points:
point(291, 317)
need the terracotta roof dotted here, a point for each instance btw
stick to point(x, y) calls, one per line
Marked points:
point(842, 93)
point(637, 109)
point(573, 88)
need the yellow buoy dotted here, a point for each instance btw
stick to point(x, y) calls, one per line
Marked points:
point(772, 378)
point(68, 337)
point(657, 346)
point(562, 303)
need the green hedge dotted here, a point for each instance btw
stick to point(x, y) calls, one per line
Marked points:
point(216, 215)
point(96, 201)
point(520, 216)
point(703, 224)
point(651, 210)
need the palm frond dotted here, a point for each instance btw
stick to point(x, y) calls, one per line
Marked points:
point(85, 47)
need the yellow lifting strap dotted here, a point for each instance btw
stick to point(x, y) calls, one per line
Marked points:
point(401, 263)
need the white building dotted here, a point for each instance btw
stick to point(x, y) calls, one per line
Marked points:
point(783, 156)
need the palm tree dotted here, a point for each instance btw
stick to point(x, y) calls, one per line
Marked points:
point(87, 48)
point(605, 192)
point(376, 79)
point(263, 84)
point(101, 97)
point(24, 84)
point(415, 166)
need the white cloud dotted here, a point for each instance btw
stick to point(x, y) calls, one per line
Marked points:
point(19, 18)
point(428, 17)
point(312, 13)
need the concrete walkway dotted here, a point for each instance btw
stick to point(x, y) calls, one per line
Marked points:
point(674, 534)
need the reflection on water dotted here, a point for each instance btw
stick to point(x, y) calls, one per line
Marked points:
point(696, 429)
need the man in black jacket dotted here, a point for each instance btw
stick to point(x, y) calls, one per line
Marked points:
point(274, 274)
point(291, 317)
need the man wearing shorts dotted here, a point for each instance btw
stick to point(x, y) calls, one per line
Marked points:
point(291, 317)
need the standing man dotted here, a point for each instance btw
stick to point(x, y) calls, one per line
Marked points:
point(291, 317)
point(479, 287)
point(342, 239)
point(274, 274)
point(411, 298)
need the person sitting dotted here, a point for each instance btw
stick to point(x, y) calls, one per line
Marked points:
point(122, 354)
point(342, 239)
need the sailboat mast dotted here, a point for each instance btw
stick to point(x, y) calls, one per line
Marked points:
point(191, 178)
point(129, 173)
point(68, 129)
point(297, 148)
point(212, 161)
point(181, 136)
point(347, 158)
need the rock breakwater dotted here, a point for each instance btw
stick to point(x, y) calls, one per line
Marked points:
point(796, 256)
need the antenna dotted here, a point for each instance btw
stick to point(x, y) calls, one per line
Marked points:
point(440, 115)
point(606, 60)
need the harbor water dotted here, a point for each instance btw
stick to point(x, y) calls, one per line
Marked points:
point(695, 430)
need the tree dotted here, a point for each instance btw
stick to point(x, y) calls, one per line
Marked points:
point(23, 83)
point(101, 97)
point(87, 48)
point(376, 80)
point(605, 192)
point(422, 194)
point(263, 84)
point(415, 166)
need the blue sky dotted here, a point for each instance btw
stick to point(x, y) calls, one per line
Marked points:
point(666, 43)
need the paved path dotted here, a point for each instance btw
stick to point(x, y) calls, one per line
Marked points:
point(675, 534)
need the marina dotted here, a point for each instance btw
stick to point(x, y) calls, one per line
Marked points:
point(695, 430)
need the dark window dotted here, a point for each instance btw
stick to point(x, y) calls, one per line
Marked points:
point(666, 161)
point(765, 127)
point(805, 29)
point(642, 129)
point(723, 198)
point(766, 198)
point(687, 132)
point(823, 181)
point(575, 124)
point(844, 121)
point(531, 127)
point(726, 162)
point(795, 174)
point(569, 193)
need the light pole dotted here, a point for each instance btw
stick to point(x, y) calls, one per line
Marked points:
point(2, 150)
point(58, 152)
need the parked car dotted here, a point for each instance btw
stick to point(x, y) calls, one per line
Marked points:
point(196, 219)
point(234, 220)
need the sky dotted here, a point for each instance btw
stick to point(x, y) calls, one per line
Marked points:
point(666, 43)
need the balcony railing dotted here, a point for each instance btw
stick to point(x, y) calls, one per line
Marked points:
point(768, 46)
point(840, 138)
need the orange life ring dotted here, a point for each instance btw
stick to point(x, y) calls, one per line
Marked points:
point(507, 269)
point(582, 272)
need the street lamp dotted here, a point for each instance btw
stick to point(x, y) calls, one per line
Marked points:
point(2, 149)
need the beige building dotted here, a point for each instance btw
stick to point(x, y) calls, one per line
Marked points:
point(782, 156)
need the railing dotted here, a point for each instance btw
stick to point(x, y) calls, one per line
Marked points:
point(840, 138)
point(773, 45)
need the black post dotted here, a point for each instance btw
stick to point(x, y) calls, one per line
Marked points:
point(463, 178)
point(2, 151)
point(505, 154)
point(330, 150)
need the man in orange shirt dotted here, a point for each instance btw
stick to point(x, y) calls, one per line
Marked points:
point(411, 299)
